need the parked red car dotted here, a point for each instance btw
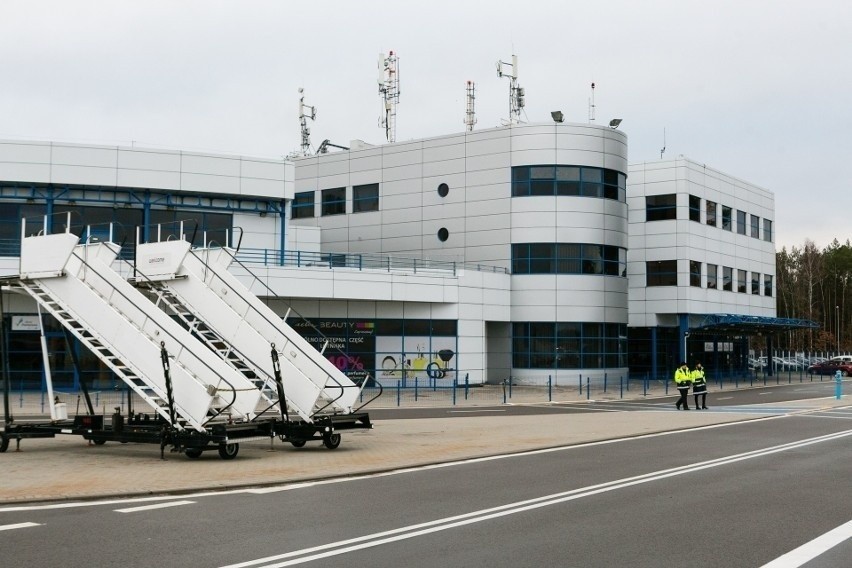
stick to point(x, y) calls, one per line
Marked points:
point(842, 364)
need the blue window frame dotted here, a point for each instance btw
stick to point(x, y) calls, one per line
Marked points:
point(365, 198)
point(568, 258)
point(661, 273)
point(303, 205)
point(334, 201)
point(566, 180)
point(661, 207)
point(568, 345)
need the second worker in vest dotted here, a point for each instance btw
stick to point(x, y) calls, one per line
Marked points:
point(682, 379)
point(699, 386)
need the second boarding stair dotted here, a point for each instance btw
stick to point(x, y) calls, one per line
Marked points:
point(77, 285)
point(200, 281)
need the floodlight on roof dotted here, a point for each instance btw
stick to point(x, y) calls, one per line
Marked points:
point(557, 116)
point(614, 123)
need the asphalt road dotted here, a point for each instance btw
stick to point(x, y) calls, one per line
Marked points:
point(741, 494)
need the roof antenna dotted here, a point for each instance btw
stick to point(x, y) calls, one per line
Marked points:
point(389, 89)
point(663, 150)
point(303, 121)
point(470, 112)
point(516, 92)
point(592, 105)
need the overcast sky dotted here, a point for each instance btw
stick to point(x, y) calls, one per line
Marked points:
point(759, 89)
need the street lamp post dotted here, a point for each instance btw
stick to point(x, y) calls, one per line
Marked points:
point(837, 318)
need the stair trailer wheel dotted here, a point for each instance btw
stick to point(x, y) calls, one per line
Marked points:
point(228, 451)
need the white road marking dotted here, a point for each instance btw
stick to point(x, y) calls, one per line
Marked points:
point(812, 549)
point(403, 533)
point(18, 526)
point(763, 393)
point(472, 411)
point(724, 398)
point(156, 506)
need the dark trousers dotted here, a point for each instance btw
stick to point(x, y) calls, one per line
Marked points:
point(702, 392)
point(684, 393)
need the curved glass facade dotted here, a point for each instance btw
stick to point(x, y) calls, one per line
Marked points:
point(568, 258)
point(568, 180)
point(568, 345)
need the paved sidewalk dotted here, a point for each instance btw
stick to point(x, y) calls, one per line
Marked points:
point(67, 468)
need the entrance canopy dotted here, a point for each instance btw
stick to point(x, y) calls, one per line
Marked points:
point(736, 324)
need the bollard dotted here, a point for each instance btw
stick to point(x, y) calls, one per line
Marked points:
point(549, 388)
point(581, 384)
point(645, 387)
point(467, 384)
point(510, 387)
point(838, 385)
point(416, 393)
point(604, 382)
point(621, 387)
point(455, 388)
point(504, 391)
point(587, 388)
point(398, 392)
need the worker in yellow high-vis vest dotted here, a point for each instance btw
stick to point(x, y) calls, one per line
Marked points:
point(683, 379)
point(699, 386)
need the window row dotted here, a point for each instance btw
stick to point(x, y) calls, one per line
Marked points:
point(568, 258)
point(664, 207)
point(568, 180)
point(197, 225)
point(333, 201)
point(664, 273)
point(568, 345)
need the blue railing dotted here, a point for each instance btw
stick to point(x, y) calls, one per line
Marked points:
point(358, 261)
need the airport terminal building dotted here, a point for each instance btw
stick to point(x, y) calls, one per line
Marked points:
point(531, 251)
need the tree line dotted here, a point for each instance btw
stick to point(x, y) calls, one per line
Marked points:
point(816, 285)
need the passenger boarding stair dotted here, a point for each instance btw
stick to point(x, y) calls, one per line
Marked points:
point(192, 321)
point(202, 284)
point(77, 285)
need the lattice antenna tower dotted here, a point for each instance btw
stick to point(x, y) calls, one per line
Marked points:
point(303, 121)
point(470, 110)
point(592, 105)
point(516, 92)
point(389, 89)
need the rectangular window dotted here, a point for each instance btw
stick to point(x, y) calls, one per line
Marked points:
point(661, 273)
point(695, 273)
point(365, 198)
point(755, 283)
point(742, 275)
point(767, 285)
point(741, 222)
point(726, 218)
point(660, 207)
point(755, 226)
point(303, 205)
point(334, 201)
point(712, 276)
point(767, 230)
point(694, 208)
point(727, 278)
point(711, 213)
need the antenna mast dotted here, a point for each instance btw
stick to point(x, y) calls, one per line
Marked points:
point(470, 112)
point(516, 92)
point(303, 121)
point(592, 105)
point(663, 151)
point(389, 89)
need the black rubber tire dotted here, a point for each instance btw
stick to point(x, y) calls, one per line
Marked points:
point(193, 453)
point(298, 443)
point(844, 373)
point(228, 451)
point(4, 444)
point(331, 441)
point(99, 442)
